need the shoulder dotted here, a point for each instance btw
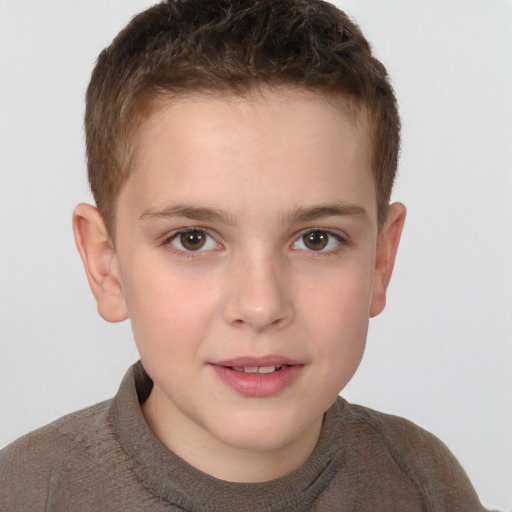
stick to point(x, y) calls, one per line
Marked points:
point(400, 436)
point(36, 462)
point(54, 437)
point(52, 440)
point(419, 455)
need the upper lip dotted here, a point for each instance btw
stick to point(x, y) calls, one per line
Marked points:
point(266, 360)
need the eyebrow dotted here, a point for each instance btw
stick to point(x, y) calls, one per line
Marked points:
point(328, 210)
point(301, 214)
point(190, 212)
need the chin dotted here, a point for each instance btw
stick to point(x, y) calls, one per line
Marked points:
point(261, 434)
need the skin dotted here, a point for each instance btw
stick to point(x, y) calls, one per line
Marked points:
point(256, 174)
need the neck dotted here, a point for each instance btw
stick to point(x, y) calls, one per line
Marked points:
point(205, 452)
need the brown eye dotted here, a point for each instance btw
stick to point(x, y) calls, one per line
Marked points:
point(193, 240)
point(316, 240)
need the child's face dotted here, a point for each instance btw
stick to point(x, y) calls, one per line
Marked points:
point(246, 237)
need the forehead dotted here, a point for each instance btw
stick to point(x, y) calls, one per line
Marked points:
point(300, 107)
point(274, 143)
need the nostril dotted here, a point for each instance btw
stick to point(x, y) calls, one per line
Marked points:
point(278, 322)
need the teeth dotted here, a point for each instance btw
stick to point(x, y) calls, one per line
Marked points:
point(257, 369)
point(266, 369)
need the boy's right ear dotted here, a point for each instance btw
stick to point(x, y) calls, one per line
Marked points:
point(100, 261)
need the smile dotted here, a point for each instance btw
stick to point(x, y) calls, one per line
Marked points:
point(258, 377)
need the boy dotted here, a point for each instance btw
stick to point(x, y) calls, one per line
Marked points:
point(241, 155)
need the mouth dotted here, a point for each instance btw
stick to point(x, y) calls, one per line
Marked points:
point(258, 376)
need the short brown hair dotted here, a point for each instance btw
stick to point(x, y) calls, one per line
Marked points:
point(231, 46)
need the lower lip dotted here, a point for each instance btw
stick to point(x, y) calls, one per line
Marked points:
point(258, 385)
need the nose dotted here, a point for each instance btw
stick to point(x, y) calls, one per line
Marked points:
point(258, 296)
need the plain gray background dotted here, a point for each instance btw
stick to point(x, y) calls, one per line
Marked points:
point(441, 352)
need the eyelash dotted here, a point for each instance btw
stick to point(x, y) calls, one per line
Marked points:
point(342, 242)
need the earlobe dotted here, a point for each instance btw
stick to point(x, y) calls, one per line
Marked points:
point(387, 246)
point(100, 262)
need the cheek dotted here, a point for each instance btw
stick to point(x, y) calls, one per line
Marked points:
point(167, 307)
point(338, 310)
point(342, 324)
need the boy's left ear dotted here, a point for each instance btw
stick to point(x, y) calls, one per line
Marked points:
point(387, 245)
